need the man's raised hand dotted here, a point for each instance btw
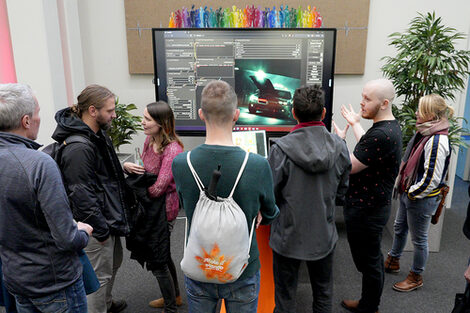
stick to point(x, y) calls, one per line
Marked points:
point(350, 115)
point(340, 132)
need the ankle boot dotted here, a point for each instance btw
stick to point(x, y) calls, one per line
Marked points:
point(160, 303)
point(413, 281)
point(392, 264)
point(351, 305)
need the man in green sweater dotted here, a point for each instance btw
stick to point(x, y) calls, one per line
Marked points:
point(254, 194)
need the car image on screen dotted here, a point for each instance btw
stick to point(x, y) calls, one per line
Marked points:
point(269, 99)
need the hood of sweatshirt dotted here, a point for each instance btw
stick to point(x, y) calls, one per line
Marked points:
point(312, 148)
point(69, 124)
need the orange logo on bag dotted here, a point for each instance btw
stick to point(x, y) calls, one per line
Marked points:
point(215, 266)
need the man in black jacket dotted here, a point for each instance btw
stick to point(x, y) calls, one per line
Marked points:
point(95, 185)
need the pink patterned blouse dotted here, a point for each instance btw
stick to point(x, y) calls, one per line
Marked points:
point(160, 164)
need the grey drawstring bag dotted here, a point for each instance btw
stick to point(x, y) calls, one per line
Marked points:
point(217, 249)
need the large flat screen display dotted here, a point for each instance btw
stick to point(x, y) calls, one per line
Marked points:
point(264, 66)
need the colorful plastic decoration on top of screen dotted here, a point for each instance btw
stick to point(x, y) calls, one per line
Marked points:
point(249, 16)
point(172, 23)
point(219, 13)
point(319, 21)
point(186, 18)
point(178, 19)
point(227, 17)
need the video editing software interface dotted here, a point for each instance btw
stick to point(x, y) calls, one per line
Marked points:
point(263, 66)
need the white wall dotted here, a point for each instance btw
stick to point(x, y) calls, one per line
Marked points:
point(105, 55)
point(38, 56)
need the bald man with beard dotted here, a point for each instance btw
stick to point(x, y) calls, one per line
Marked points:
point(375, 163)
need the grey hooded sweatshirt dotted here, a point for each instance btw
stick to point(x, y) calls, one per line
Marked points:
point(311, 172)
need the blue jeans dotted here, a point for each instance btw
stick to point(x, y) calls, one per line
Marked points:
point(239, 296)
point(6, 299)
point(69, 300)
point(415, 216)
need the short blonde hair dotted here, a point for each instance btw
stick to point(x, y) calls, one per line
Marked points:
point(218, 102)
point(433, 106)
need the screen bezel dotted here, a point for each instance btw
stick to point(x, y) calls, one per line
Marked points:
point(327, 79)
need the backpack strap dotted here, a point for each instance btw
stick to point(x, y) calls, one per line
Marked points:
point(242, 168)
point(69, 140)
point(75, 138)
point(196, 178)
point(251, 232)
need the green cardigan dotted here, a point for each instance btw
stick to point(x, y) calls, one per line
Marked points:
point(254, 191)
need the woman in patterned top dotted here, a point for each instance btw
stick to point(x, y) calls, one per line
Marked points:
point(422, 175)
point(160, 148)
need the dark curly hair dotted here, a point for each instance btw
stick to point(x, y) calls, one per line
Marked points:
point(309, 103)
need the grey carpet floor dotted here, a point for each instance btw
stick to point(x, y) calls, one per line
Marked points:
point(442, 279)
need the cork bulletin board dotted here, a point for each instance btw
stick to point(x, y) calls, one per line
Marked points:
point(349, 17)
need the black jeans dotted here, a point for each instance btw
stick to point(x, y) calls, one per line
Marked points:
point(172, 268)
point(364, 227)
point(286, 278)
point(167, 286)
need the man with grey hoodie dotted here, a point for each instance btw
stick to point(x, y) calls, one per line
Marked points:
point(310, 170)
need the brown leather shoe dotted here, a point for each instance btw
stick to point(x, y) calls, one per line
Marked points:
point(351, 305)
point(413, 281)
point(160, 303)
point(392, 264)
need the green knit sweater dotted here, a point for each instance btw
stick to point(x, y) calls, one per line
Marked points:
point(254, 191)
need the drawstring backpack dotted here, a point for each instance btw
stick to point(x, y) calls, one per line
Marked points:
point(217, 249)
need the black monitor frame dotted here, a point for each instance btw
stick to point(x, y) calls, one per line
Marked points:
point(327, 79)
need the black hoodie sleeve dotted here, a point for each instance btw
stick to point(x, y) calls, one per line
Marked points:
point(344, 163)
point(77, 165)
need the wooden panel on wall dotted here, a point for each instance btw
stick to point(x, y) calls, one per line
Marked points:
point(349, 17)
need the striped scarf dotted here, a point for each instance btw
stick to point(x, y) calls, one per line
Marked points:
point(409, 165)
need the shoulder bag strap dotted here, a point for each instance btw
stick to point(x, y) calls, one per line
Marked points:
point(196, 177)
point(239, 174)
point(251, 232)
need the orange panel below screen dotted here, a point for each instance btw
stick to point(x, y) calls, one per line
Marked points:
point(266, 293)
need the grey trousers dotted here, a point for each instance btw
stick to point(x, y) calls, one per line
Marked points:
point(106, 258)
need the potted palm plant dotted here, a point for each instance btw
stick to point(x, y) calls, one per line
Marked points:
point(426, 62)
point(123, 127)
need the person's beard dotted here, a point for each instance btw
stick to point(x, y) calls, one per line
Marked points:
point(372, 113)
point(102, 123)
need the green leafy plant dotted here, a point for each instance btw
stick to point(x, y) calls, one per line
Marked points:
point(125, 125)
point(426, 62)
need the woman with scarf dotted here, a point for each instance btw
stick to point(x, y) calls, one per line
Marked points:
point(422, 175)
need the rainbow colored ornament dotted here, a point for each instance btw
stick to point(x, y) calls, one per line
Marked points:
point(248, 17)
